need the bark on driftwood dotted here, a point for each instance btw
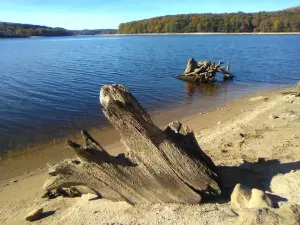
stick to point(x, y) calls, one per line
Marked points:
point(191, 66)
point(159, 165)
point(204, 71)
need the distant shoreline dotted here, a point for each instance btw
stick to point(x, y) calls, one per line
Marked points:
point(162, 34)
point(203, 33)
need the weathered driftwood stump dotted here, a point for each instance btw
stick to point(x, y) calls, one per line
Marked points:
point(204, 71)
point(191, 66)
point(159, 166)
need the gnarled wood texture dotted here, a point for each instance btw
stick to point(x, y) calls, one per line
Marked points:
point(204, 71)
point(158, 166)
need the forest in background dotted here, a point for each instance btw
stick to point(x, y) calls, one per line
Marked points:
point(287, 20)
point(27, 30)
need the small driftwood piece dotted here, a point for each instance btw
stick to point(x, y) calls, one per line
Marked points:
point(159, 165)
point(204, 71)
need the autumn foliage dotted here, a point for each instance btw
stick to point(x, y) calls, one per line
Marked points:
point(280, 21)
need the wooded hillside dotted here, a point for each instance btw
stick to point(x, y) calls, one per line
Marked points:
point(26, 30)
point(287, 20)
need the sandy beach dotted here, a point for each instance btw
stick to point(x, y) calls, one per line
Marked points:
point(254, 140)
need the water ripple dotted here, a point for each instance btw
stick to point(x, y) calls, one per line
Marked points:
point(50, 86)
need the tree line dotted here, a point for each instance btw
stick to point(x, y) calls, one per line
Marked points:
point(287, 20)
point(27, 30)
point(94, 32)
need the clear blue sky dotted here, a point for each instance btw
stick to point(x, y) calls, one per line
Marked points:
point(92, 14)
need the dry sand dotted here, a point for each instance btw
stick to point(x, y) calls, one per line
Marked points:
point(265, 125)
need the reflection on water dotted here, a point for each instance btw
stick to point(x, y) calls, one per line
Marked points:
point(201, 89)
point(215, 90)
point(50, 86)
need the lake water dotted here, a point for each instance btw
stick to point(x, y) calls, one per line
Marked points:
point(50, 86)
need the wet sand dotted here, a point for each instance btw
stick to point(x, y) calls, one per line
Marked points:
point(16, 163)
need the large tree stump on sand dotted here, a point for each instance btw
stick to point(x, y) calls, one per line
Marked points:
point(204, 71)
point(159, 166)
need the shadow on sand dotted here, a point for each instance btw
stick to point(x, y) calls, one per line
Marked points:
point(253, 175)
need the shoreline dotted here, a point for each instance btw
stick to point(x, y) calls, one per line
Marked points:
point(43, 154)
point(197, 98)
point(162, 34)
point(50, 151)
point(218, 132)
point(202, 33)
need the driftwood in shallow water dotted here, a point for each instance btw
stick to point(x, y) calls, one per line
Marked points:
point(159, 165)
point(204, 71)
point(191, 66)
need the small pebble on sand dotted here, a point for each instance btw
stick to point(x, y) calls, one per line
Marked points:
point(273, 116)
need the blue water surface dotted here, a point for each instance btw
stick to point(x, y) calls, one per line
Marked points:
point(50, 86)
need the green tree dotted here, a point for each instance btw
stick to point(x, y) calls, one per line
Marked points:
point(278, 26)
